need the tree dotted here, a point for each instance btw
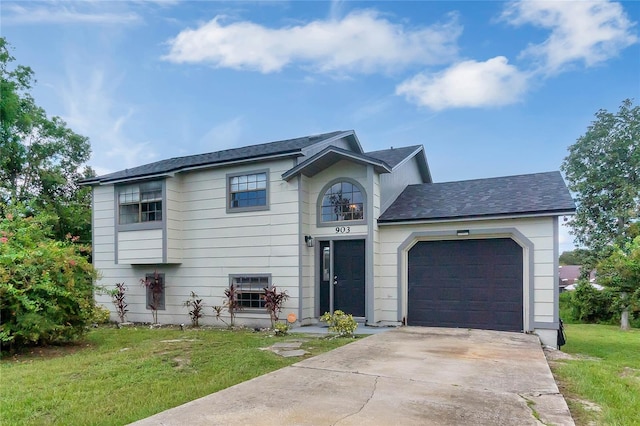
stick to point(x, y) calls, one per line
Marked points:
point(573, 257)
point(603, 170)
point(621, 273)
point(40, 157)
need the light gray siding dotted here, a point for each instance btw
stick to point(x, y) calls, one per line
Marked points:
point(209, 243)
point(140, 247)
point(173, 236)
point(392, 184)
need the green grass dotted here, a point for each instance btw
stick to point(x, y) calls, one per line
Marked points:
point(117, 376)
point(606, 373)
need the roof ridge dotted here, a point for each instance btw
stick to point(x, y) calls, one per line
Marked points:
point(394, 148)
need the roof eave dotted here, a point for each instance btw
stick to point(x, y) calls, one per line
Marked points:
point(209, 165)
point(380, 166)
point(546, 213)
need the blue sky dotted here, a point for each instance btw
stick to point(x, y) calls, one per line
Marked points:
point(489, 88)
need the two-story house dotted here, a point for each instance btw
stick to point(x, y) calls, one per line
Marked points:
point(337, 228)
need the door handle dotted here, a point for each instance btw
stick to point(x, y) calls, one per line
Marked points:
point(335, 280)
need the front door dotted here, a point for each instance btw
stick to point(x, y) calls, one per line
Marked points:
point(347, 285)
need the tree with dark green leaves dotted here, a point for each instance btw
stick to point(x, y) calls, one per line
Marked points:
point(574, 257)
point(603, 171)
point(41, 159)
point(620, 272)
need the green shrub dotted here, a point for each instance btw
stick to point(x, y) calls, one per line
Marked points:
point(587, 307)
point(566, 307)
point(46, 286)
point(340, 323)
point(591, 305)
point(101, 315)
point(281, 328)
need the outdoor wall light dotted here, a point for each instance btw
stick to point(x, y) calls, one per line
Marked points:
point(308, 239)
point(462, 232)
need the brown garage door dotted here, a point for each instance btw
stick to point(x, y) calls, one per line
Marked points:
point(466, 283)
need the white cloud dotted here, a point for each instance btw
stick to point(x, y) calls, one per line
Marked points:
point(362, 42)
point(467, 84)
point(63, 13)
point(223, 135)
point(581, 31)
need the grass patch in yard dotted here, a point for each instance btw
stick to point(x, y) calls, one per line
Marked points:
point(116, 376)
point(602, 383)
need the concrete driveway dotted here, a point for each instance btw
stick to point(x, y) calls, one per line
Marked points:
point(408, 376)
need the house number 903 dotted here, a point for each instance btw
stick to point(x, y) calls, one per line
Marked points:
point(343, 229)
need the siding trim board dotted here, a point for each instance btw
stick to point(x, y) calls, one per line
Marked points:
point(301, 247)
point(115, 224)
point(369, 256)
point(551, 213)
point(165, 221)
point(509, 232)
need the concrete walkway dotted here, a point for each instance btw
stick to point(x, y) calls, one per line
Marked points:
point(407, 376)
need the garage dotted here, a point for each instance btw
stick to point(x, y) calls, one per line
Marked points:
point(468, 283)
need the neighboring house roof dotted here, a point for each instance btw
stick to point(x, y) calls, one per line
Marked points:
point(568, 274)
point(329, 156)
point(522, 195)
point(172, 165)
point(397, 156)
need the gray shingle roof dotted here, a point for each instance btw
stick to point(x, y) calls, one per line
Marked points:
point(394, 156)
point(245, 153)
point(531, 194)
point(329, 156)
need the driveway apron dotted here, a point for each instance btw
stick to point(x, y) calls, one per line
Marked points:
point(408, 376)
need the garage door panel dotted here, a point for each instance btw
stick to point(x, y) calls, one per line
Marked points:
point(466, 283)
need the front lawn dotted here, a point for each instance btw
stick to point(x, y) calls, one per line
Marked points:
point(602, 382)
point(117, 376)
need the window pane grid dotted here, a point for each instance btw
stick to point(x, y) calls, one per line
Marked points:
point(140, 203)
point(248, 190)
point(250, 289)
point(343, 201)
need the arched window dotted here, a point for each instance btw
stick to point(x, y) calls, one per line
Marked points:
point(342, 201)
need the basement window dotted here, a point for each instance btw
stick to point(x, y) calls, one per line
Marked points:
point(250, 289)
